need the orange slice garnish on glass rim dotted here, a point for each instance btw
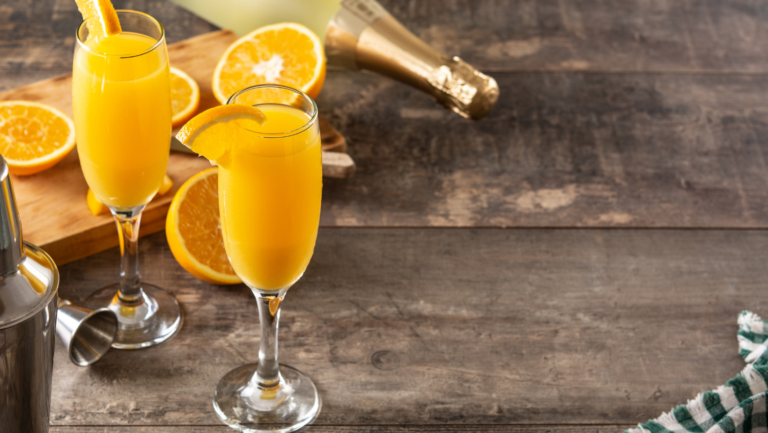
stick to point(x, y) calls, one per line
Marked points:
point(209, 134)
point(100, 17)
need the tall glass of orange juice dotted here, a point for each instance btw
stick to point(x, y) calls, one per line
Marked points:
point(270, 185)
point(122, 111)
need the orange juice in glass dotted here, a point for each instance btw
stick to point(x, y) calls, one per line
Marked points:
point(270, 185)
point(270, 200)
point(122, 110)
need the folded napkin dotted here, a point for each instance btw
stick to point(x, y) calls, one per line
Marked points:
point(739, 406)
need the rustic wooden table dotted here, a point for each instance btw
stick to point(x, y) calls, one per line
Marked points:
point(573, 263)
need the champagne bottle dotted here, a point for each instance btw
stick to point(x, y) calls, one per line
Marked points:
point(361, 34)
point(243, 16)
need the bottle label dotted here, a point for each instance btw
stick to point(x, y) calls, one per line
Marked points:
point(355, 15)
point(367, 10)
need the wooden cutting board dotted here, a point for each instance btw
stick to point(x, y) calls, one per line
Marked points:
point(52, 204)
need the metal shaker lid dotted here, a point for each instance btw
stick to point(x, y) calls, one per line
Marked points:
point(28, 275)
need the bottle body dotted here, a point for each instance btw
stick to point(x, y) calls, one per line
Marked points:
point(243, 16)
point(363, 35)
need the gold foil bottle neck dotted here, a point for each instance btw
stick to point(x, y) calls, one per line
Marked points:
point(465, 90)
point(363, 35)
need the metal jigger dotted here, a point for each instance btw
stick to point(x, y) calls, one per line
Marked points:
point(87, 334)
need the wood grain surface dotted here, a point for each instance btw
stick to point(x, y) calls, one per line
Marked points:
point(52, 203)
point(697, 36)
point(72, 232)
point(496, 35)
point(667, 128)
point(354, 429)
point(615, 113)
point(447, 326)
point(564, 150)
point(37, 39)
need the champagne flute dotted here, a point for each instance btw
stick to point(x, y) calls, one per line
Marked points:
point(269, 199)
point(122, 111)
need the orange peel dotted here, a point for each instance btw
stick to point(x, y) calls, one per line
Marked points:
point(193, 230)
point(185, 97)
point(286, 53)
point(34, 136)
point(100, 17)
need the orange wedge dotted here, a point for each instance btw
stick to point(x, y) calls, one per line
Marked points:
point(33, 136)
point(94, 204)
point(287, 53)
point(185, 97)
point(165, 185)
point(194, 233)
point(98, 208)
point(209, 134)
point(100, 17)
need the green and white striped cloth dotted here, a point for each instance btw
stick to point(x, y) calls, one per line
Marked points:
point(739, 406)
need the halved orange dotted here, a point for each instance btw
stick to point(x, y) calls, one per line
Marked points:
point(208, 133)
point(194, 233)
point(33, 136)
point(100, 17)
point(286, 53)
point(185, 97)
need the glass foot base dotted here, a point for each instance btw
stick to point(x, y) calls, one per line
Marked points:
point(234, 403)
point(152, 322)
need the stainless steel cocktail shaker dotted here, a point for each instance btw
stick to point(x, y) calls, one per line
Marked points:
point(29, 283)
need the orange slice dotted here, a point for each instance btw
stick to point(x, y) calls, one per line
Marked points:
point(100, 16)
point(185, 97)
point(194, 233)
point(94, 204)
point(287, 53)
point(97, 207)
point(33, 136)
point(209, 134)
point(165, 185)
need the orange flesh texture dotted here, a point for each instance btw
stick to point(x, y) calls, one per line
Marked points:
point(181, 99)
point(36, 132)
point(101, 17)
point(279, 45)
point(199, 227)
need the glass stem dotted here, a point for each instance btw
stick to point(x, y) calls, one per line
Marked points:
point(128, 220)
point(268, 371)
